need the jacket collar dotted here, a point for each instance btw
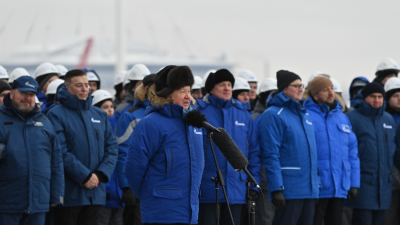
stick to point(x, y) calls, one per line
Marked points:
point(280, 100)
point(73, 102)
point(218, 102)
point(168, 110)
point(366, 109)
point(310, 104)
point(140, 103)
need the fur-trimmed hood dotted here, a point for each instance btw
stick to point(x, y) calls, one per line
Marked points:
point(306, 96)
point(140, 93)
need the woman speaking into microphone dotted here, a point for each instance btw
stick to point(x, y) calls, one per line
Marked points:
point(165, 158)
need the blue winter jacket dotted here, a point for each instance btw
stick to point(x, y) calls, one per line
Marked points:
point(88, 145)
point(375, 131)
point(237, 122)
point(42, 98)
point(338, 162)
point(289, 153)
point(113, 191)
point(125, 127)
point(164, 166)
point(31, 166)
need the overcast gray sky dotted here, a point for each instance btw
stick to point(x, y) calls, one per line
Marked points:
point(342, 38)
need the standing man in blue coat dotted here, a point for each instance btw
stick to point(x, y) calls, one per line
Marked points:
point(289, 154)
point(89, 150)
point(338, 163)
point(375, 131)
point(31, 166)
point(222, 110)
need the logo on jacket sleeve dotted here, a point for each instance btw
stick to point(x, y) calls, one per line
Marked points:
point(308, 122)
point(346, 128)
point(387, 126)
point(197, 132)
point(239, 124)
point(95, 121)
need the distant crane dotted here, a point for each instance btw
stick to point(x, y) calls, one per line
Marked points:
point(85, 55)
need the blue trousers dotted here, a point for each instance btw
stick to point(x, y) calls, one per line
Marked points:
point(22, 218)
point(296, 212)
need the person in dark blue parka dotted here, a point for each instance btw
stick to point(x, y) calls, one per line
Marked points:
point(338, 162)
point(222, 110)
point(375, 131)
point(89, 149)
point(165, 158)
point(289, 154)
point(31, 166)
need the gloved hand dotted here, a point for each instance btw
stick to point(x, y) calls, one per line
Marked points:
point(353, 193)
point(128, 198)
point(278, 199)
point(253, 194)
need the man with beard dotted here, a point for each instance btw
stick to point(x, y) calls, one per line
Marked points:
point(338, 163)
point(31, 166)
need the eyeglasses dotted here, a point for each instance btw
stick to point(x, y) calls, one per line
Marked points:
point(297, 86)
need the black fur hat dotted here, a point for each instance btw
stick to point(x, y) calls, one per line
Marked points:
point(172, 78)
point(218, 77)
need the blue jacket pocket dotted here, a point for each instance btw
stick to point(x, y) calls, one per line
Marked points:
point(169, 193)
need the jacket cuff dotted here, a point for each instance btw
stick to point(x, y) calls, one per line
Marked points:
point(87, 178)
point(101, 176)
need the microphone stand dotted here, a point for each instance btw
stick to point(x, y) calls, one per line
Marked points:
point(251, 206)
point(219, 180)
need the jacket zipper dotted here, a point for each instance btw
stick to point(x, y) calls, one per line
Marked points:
point(97, 133)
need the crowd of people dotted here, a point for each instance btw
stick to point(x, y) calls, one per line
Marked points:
point(71, 153)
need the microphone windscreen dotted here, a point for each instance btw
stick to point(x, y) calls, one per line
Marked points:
point(195, 119)
point(229, 149)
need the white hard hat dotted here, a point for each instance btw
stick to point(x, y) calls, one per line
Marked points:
point(241, 84)
point(100, 95)
point(137, 72)
point(248, 75)
point(268, 84)
point(45, 68)
point(17, 72)
point(315, 74)
point(392, 83)
point(62, 70)
point(197, 83)
point(52, 88)
point(336, 86)
point(387, 64)
point(119, 78)
point(3, 73)
point(203, 83)
point(92, 76)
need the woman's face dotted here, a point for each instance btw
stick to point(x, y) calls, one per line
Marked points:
point(181, 97)
point(243, 96)
point(107, 106)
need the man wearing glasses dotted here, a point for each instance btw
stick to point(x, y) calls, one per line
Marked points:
point(288, 149)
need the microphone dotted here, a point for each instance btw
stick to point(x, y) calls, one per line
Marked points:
point(196, 119)
point(232, 153)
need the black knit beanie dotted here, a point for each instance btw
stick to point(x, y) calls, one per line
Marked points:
point(149, 80)
point(218, 77)
point(4, 86)
point(372, 88)
point(285, 78)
